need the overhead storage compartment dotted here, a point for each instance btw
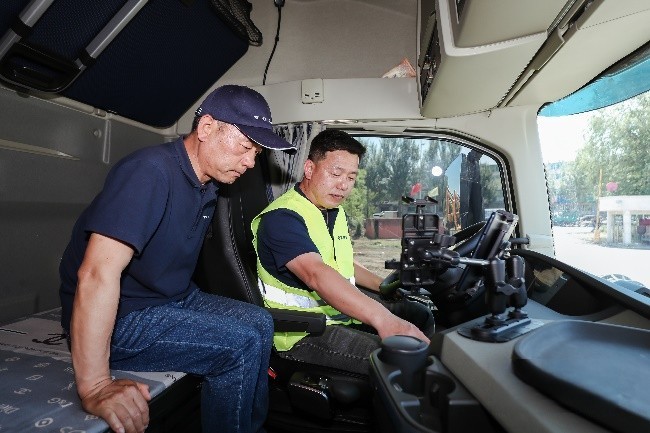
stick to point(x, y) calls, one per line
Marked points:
point(479, 22)
point(473, 51)
point(599, 27)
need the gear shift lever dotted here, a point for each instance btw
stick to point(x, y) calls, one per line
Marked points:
point(409, 354)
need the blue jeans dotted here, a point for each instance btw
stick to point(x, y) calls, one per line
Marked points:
point(226, 341)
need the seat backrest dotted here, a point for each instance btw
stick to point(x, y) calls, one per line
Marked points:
point(227, 263)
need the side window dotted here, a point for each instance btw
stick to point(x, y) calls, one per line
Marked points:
point(598, 175)
point(466, 183)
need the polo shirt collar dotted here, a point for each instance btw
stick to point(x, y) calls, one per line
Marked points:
point(186, 165)
point(332, 212)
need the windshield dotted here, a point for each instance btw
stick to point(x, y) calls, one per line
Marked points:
point(598, 175)
point(624, 81)
point(465, 183)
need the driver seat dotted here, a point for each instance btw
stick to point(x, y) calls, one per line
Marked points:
point(303, 397)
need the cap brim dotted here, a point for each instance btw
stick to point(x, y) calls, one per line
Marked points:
point(266, 138)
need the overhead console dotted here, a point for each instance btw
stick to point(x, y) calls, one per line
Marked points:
point(476, 55)
point(472, 51)
point(600, 28)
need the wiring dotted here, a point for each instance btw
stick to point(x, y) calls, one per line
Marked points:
point(278, 4)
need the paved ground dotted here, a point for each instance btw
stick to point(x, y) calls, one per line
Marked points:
point(373, 253)
point(575, 246)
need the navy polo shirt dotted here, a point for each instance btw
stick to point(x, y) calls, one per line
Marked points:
point(277, 247)
point(153, 201)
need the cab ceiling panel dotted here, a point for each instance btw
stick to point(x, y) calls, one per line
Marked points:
point(606, 30)
point(474, 50)
point(156, 59)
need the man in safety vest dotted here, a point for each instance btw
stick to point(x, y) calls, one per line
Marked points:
point(305, 262)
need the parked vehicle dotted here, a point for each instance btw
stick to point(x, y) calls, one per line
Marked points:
point(564, 220)
point(587, 221)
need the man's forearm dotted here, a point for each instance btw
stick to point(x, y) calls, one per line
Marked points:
point(365, 278)
point(94, 310)
point(340, 294)
point(93, 319)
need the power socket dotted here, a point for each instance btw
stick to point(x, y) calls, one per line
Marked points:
point(312, 91)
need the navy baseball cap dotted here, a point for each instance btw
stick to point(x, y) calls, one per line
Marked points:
point(247, 110)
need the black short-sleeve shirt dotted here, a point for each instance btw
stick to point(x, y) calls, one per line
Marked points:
point(282, 236)
point(153, 201)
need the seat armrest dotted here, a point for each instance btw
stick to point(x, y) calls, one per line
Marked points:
point(297, 321)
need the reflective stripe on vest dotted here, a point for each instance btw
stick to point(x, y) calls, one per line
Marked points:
point(290, 300)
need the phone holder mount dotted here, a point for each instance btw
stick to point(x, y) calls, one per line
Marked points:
point(505, 286)
point(422, 245)
point(425, 255)
point(503, 277)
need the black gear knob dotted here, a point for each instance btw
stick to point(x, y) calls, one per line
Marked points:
point(409, 354)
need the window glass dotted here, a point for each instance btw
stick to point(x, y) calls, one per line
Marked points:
point(598, 174)
point(466, 184)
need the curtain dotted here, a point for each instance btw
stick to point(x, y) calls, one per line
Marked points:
point(285, 169)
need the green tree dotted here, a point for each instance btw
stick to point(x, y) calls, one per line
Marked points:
point(441, 153)
point(355, 204)
point(616, 143)
point(394, 164)
point(434, 153)
point(388, 164)
point(404, 154)
point(374, 164)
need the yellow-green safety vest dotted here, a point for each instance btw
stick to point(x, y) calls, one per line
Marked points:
point(335, 250)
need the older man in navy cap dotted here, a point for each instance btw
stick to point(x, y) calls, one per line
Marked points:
point(128, 299)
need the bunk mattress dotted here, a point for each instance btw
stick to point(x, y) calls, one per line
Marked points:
point(37, 389)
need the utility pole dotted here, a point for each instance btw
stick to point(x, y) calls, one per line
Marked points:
point(597, 222)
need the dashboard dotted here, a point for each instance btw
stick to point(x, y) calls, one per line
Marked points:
point(579, 365)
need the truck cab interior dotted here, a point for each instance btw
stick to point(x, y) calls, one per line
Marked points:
point(449, 92)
